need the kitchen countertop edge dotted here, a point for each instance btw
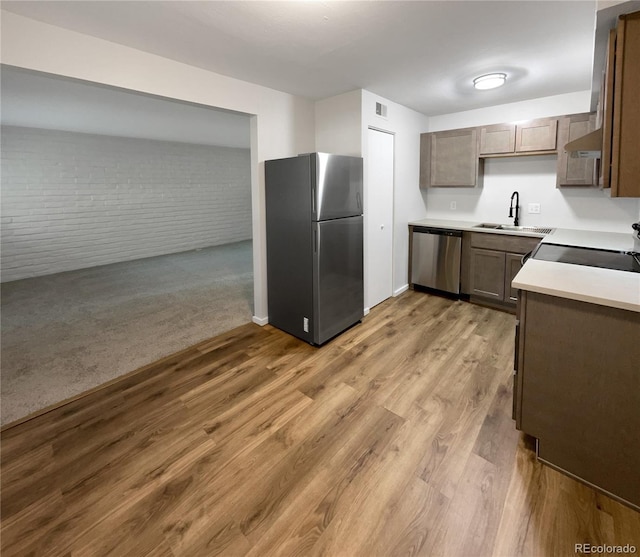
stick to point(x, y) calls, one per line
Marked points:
point(471, 226)
point(606, 287)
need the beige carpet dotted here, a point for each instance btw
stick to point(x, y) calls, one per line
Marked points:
point(63, 334)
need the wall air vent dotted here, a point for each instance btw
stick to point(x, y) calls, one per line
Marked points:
point(381, 110)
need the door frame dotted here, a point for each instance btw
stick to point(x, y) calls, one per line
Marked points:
point(366, 192)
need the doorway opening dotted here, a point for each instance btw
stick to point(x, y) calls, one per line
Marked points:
point(126, 233)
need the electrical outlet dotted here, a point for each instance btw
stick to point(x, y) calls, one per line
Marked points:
point(534, 208)
point(452, 205)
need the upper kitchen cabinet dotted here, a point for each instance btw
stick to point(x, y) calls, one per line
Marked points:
point(621, 163)
point(497, 139)
point(450, 159)
point(575, 171)
point(524, 138)
point(536, 135)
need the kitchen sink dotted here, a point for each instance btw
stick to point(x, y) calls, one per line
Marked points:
point(488, 225)
point(534, 229)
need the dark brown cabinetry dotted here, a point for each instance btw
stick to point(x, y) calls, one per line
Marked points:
point(574, 171)
point(536, 135)
point(450, 159)
point(526, 138)
point(621, 116)
point(487, 273)
point(494, 259)
point(577, 389)
point(497, 139)
point(512, 264)
point(455, 158)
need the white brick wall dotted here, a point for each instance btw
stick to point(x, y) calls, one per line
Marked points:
point(72, 200)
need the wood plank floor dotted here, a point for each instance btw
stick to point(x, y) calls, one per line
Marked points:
point(394, 439)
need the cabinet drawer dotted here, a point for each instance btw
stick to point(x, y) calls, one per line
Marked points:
point(503, 242)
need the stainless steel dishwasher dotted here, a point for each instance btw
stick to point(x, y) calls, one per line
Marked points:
point(435, 258)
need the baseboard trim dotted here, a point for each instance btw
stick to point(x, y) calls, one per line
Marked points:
point(262, 321)
point(366, 311)
point(400, 290)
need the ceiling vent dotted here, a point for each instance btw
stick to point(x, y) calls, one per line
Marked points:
point(381, 110)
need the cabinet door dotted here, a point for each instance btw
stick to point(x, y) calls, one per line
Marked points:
point(449, 159)
point(517, 367)
point(574, 171)
point(536, 135)
point(579, 394)
point(487, 273)
point(500, 138)
point(625, 146)
point(607, 111)
point(513, 263)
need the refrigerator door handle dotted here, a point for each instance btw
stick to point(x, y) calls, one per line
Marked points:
point(316, 240)
point(359, 201)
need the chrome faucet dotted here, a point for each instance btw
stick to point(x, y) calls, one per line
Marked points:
point(517, 208)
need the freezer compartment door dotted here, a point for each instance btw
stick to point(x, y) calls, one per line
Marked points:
point(289, 245)
point(337, 186)
point(338, 291)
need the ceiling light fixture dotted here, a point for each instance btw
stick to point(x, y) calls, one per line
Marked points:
point(490, 81)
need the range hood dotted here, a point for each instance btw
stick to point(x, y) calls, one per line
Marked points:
point(590, 146)
point(586, 147)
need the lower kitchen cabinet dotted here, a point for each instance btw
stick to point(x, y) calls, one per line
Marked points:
point(487, 273)
point(577, 390)
point(494, 260)
point(513, 263)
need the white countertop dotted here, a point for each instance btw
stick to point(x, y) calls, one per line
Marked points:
point(605, 287)
point(442, 223)
point(471, 226)
point(591, 239)
point(608, 287)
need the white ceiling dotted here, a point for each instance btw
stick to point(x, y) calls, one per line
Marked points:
point(39, 100)
point(422, 54)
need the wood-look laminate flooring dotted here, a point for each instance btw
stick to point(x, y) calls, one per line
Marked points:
point(394, 439)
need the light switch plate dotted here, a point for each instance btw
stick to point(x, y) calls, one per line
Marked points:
point(534, 208)
point(452, 205)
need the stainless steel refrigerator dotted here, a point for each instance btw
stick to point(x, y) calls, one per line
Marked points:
point(314, 244)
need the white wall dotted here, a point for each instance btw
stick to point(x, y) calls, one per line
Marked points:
point(339, 124)
point(37, 100)
point(408, 205)
point(283, 124)
point(557, 105)
point(74, 200)
point(533, 177)
point(341, 128)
